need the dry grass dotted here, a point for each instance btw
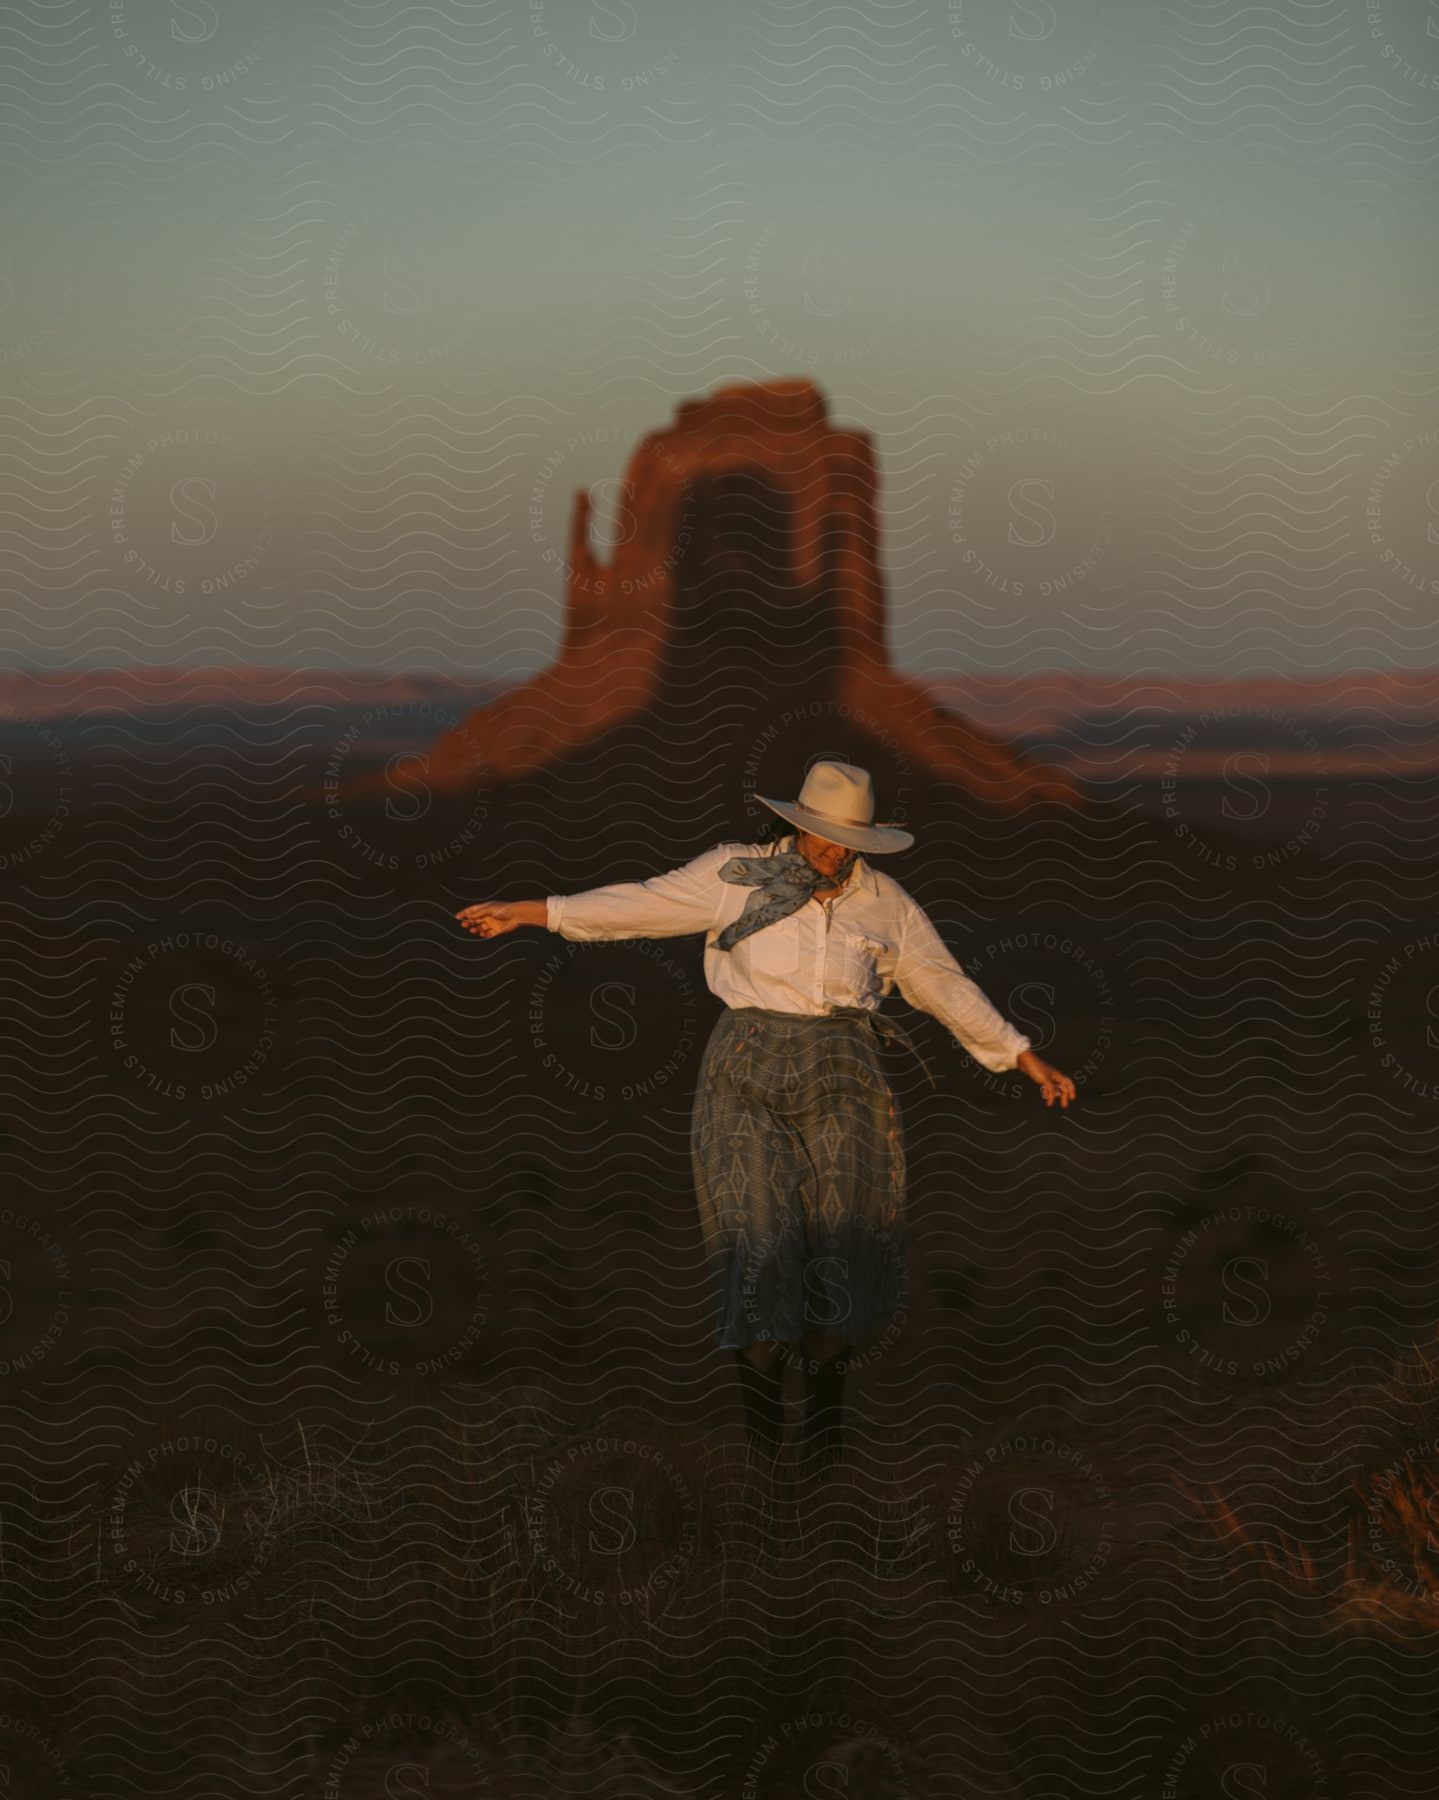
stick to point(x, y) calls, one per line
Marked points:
point(442, 1594)
point(1375, 1553)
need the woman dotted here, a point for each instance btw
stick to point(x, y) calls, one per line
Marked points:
point(797, 1143)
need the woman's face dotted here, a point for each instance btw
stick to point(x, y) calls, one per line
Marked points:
point(819, 852)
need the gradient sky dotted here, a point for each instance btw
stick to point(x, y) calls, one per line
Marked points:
point(1137, 300)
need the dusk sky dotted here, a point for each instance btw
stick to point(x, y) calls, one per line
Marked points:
point(312, 317)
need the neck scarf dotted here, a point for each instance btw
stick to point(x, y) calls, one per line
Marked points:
point(782, 883)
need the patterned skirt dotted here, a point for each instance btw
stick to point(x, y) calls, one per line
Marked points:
point(798, 1154)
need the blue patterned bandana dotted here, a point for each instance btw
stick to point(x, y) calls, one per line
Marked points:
point(782, 884)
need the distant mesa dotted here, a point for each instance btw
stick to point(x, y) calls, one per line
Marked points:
point(745, 578)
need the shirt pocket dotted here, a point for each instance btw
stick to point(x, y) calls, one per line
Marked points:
point(781, 951)
point(853, 955)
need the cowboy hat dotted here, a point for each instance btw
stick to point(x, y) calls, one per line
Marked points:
point(837, 804)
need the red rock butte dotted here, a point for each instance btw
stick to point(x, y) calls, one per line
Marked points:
point(745, 575)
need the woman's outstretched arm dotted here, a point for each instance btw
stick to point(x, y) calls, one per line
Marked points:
point(931, 978)
point(488, 918)
point(673, 904)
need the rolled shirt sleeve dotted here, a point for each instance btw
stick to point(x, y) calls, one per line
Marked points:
point(929, 977)
point(673, 904)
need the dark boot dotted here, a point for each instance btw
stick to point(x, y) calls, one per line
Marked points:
point(823, 1434)
point(762, 1393)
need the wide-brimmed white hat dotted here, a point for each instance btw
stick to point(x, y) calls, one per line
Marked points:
point(837, 804)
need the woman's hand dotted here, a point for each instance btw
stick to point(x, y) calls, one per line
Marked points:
point(1054, 1084)
point(488, 918)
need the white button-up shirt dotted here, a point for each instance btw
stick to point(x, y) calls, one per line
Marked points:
point(850, 950)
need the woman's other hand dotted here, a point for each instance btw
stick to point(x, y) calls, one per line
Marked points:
point(1053, 1083)
point(489, 918)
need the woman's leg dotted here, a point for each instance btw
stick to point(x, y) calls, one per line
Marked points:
point(821, 1346)
point(854, 1228)
point(822, 1433)
point(744, 1157)
point(761, 1374)
point(761, 1384)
